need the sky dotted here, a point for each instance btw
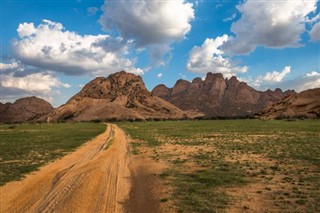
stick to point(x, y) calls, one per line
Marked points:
point(52, 48)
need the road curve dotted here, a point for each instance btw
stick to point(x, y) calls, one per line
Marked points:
point(94, 178)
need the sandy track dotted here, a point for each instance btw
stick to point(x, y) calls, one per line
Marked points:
point(91, 179)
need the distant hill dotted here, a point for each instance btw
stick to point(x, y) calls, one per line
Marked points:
point(120, 96)
point(216, 96)
point(304, 104)
point(24, 110)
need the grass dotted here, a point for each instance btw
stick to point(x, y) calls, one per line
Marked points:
point(211, 162)
point(26, 147)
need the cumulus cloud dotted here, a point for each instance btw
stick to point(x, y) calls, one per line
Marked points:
point(49, 46)
point(315, 32)
point(269, 79)
point(276, 76)
point(26, 29)
point(306, 81)
point(33, 82)
point(309, 81)
point(18, 81)
point(148, 22)
point(210, 58)
point(273, 24)
point(14, 65)
point(313, 74)
point(272, 80)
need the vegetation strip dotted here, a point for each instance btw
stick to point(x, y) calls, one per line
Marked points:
point(24, 148)
point(110, 139)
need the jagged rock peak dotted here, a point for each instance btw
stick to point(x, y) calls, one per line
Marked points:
point(213, 76)
point(180, 86)
point(217, 96)
point(160, 90)
point(197, 80)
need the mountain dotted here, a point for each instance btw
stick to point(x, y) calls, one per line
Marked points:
point(218, 97)
point(24, 110)
point(120, 96)
point(304, 104)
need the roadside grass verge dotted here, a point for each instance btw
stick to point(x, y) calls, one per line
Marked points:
point(235, 165)
point(26, 147)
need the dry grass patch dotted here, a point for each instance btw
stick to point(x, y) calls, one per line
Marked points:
point(236, 165)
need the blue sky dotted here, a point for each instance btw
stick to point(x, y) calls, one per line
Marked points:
point(50, 49)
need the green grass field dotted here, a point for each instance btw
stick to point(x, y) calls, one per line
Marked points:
point(211, 166)
point(224, 165)
point(24, 148)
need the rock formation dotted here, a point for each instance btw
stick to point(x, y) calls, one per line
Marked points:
point(24, 110)
point(120, 96)
point(218, 97)
point(305, 104)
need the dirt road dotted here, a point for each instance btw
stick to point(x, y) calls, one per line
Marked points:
point(95, 178)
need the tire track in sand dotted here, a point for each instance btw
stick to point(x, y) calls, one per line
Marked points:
point(91, 179)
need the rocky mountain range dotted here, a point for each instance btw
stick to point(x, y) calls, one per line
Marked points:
point(120, 96)
point(24, 110)
point(216, 96)
point(123, 96)
point(305, 104)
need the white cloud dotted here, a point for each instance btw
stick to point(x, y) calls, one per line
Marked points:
point(231, 18)
point(148, 22)
point(19, 81)
point(269, 79)
point(315, 32)
point(35, 82)
point(276, 76)
point(11, 66)
point(306, 81)
point(272, 80)
point(40, 85)
point(310, 81)
point(313, 74)
point(26, 29)
point(159, 75)
point(210, 58)
point(50, 47)
point(273, 24)
point(197, 3)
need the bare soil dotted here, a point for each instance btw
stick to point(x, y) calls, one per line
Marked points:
point(98, 177)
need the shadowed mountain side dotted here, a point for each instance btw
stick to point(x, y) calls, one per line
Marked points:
point(120, 96)
point(216, 96)
point(304, 104)
point(24, 110)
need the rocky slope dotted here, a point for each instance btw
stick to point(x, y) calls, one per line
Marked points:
point(304, 104)
point(217, 96)
point(24, 110)
point(120, 96)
